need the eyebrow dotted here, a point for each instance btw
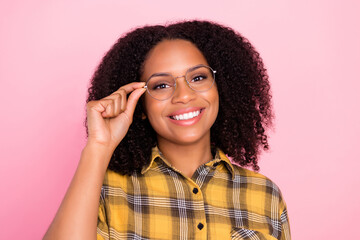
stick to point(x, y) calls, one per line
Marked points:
point(167, 73)
point(161, 74)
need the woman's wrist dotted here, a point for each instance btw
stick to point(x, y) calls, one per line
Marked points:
point(101, 147)
point(98, 154)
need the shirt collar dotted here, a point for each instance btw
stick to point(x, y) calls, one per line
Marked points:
point(220, 156)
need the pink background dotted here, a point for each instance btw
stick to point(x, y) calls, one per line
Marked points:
point(49, 50)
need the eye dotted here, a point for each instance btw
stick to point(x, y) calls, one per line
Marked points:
point(160, 86)
point(161, 82)
point(198, 78)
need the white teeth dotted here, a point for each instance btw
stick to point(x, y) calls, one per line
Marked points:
point(186, 116)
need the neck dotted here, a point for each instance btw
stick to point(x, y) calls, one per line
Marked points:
point(186, 157)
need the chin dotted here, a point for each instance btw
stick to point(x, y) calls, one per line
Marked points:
point(188, 139)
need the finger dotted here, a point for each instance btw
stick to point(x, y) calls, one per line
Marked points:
point(95, 105)
point(115, 103)
point(119, 101)
point(131, 87)
point(132, 101)
point(109, 108)
point(100, 106)
point(123, 100)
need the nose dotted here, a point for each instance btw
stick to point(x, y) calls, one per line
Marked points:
point(183, 93)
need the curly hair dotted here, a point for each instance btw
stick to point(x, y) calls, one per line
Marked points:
point(245, 109)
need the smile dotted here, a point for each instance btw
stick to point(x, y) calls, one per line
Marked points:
point(186, 116)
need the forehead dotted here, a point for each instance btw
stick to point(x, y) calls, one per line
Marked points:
point(174, 56)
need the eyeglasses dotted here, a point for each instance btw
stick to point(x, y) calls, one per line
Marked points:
point(161, 86)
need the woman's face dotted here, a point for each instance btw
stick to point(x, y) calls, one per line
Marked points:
point(175, 57)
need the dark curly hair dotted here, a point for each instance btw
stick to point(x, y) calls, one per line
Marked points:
point(244, 90)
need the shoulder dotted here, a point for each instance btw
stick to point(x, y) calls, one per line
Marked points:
point(256, 183)
point(244, 172)
point(115, 179)
point(240, 172)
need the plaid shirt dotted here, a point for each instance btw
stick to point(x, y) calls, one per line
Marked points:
point(220, 201)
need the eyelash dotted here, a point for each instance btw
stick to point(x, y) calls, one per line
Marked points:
point(200, 76)
point(159, 86)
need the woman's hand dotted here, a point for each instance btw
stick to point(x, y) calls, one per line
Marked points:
point(109, 119)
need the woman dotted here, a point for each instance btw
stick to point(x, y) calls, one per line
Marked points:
point(204, 92)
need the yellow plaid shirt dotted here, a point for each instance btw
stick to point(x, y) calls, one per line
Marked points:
point(220, 201)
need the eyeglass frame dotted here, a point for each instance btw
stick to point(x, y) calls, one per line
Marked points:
point(184, 76)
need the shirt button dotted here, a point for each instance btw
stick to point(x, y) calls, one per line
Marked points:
point(200, 226)
point(195, 190)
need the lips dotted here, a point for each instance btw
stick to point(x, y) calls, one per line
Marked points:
point(186, 117)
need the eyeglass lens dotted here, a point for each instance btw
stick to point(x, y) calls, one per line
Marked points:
point(162, 86)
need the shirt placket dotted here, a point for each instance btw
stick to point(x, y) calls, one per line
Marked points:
point(198, 221)
point(196, 184)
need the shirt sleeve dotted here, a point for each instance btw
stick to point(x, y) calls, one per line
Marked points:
point(285, 226)
point(102, 226)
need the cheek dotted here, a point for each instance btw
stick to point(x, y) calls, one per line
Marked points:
point(153, 108)
point(216, 107)
point(214, 99)
point(149, 104)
